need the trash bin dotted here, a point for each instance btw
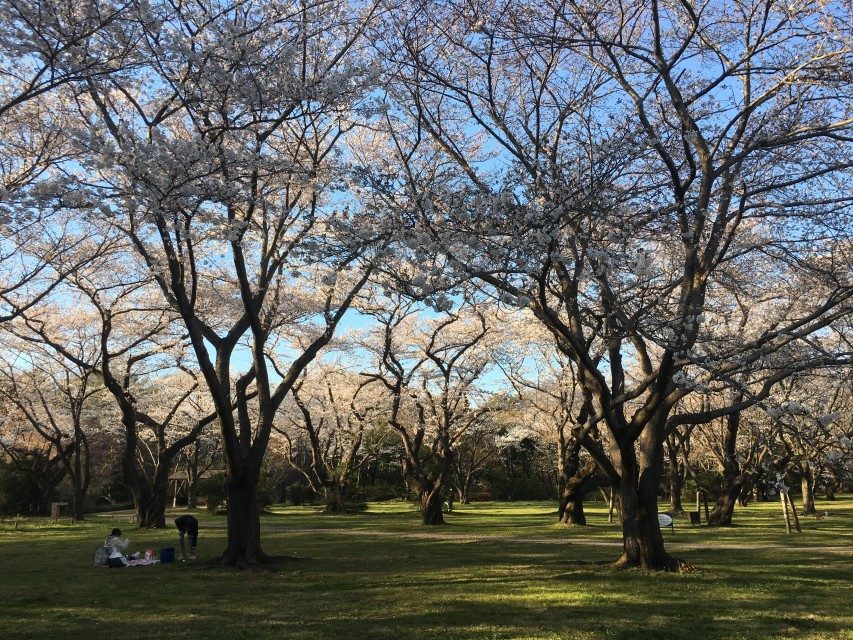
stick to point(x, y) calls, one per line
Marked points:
point(167, 555)
point(694, 517)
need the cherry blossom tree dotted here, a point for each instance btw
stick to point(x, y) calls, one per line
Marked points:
point(547, 383)
point(138, 358)
point(810, 413)
point(331, 413)
point(54, 399)
point(619, 169)
point(430, 368)
point(219, 156)
point(45, 47)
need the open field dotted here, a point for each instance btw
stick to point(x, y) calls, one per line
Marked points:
point(497, 570)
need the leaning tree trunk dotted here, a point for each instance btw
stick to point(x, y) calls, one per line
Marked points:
point(571, 496)
point(807, 485)
point(573, 513)
point(642, 540)
point(721, 515)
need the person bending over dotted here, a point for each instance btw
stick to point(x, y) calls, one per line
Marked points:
point(187, 525)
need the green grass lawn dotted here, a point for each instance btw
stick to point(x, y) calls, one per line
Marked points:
point(496, 570)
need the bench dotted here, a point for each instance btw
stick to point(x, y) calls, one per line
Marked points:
point(55, 508)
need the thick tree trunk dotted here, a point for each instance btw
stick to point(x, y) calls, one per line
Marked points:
point(335, 499)
point(573, 513)
point(151, 506)
point(641, 536)
point(570, 481)
point(244, 524)
point(152, 512)
point(151, 499)
point(721, 515)
point(431, 508)
point(807, 485)
point(572, 494)
point(642, 541)
point(428, 488)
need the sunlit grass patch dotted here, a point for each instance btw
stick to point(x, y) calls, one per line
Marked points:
point(495, 571)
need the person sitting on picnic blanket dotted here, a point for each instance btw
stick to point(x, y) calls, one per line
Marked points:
point(116, 545)
point(187, 525)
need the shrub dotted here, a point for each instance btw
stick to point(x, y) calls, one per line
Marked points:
point(299, 494)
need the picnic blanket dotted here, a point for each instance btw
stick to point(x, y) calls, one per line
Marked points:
point(140, 562)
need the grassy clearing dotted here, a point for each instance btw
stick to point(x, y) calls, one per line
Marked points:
point(495, 571)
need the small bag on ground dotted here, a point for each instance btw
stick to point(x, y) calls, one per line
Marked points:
point(102, 557)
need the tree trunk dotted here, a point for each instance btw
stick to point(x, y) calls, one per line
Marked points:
point(151, 497)
point(676, 483)
point(641, 536)
point(733, 479)
point(676, 475)
point(151, 513)
point(244, 524)
point(462, 494)
point(335, 499)
point(807, 484)
point(721, 516)
point(785, 513)
point(572, 494)
point(192, 496)
point(78, 506)
point(745, 496)
point(573, 513)
point(151, 504)
point(431, 508)
point(80, 473)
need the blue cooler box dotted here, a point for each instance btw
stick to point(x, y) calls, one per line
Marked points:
point(167, 555)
